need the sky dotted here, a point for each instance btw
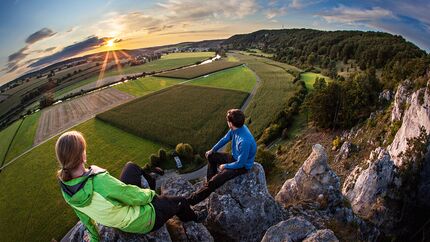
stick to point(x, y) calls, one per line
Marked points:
point(36, 33)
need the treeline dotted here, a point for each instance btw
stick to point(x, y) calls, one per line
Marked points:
point(342, 104)
point(397, 58)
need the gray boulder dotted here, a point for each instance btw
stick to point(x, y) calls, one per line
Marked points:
point(417, 115)
point(108, 234)
point(293, 229)
point(313, 181)
point(367, 188)
point(240, 210)
point(400, 100)
point(323, 235)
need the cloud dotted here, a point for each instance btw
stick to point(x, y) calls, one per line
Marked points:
point(275, 12)
point(39, 35)
point(298, 4)
point(348, 15)
point(72, 50)
point(14, 59)
point(49, 49)
point(196, 10)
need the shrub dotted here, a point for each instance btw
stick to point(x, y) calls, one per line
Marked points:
point(336, 142)
point(265, 157)
point(154, 160)
point(269, 134)
point(162, 155)
point(285, 133)
point(185, 151)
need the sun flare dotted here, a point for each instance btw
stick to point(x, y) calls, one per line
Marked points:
point(110, 43)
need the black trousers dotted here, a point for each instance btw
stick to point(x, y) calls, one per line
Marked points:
point(165, 206)
point(215, 179)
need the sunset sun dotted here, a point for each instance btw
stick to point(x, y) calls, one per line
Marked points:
point(110, 43)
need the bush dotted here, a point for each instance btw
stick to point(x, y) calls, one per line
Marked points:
point(185, 151)
point(162, 155)
point(336, 142)
point(154, 160)
point(265, 157)
point(285, 133)
point(269, 134)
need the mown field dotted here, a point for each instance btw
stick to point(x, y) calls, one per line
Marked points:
point(271, 97)
point(238, 78)
point(6, 136)
point(309, 79)
point(166, 62)
point(182, 113)
point(201, 70)
point(146, 85)
point(32, 208)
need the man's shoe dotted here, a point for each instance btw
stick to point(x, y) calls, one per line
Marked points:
point(201, 216)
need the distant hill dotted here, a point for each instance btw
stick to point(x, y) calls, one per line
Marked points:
point(397, 58)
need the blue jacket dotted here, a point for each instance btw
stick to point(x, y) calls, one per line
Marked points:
point(243, 147)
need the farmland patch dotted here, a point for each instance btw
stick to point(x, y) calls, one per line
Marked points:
point(200, 70)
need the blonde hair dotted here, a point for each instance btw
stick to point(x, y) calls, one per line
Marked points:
point(69, 150)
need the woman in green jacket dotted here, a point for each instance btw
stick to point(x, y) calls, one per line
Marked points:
point(96, 196)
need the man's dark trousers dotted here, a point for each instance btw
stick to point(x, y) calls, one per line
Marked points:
point(215, 179)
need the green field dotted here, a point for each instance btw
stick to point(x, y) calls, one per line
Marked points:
point(6, 136)
point(24, 137)
point(166, 62)
point(32, 208)
point(184, 113)
point(309, 79)
point(271, 97)
point(146, 85)
point(238, 78)
point(201, 70)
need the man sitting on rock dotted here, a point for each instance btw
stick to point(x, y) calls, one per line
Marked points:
point(230, 165)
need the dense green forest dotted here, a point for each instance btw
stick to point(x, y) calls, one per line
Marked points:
point(396, 58)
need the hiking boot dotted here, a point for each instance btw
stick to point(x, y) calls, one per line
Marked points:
point(201, 216)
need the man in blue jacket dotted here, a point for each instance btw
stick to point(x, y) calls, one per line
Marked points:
point(241, 160)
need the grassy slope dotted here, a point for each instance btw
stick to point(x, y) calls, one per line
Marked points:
point(189, 114)
point(32, 208)
point(24, 137)
point(6, 136)
point(275, 90)
point(309, 79)
point(146, 85)
point(238, 78)
point(166, 62)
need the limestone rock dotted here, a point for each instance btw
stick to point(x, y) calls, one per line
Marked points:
point(188, 232)
point(108, 234)
point(323, 235)
point(314, 180)
point(417, 115)
point(293, 229)
point(344, 152)
point(385, 96)
point(400, 99)
point(367, 188)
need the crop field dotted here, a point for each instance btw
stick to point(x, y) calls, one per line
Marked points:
point(24, 136)
point(201, 70)
point(238, 78)
point(146, 85)
point(166, 62)
point(6, 136)
point(309, 79)
point(32, 206)
point(271, 97)
point(64, 115)
point(179, 114)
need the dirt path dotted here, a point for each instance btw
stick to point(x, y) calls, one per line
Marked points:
point(62, 116)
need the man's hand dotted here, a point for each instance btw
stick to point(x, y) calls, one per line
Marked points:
point(208, 153)
point(221, 167)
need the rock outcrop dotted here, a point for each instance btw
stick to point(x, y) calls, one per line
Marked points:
point(108, 234)
point(417, 115)
point(314, 181)
point(241, 210)
point(297, 229)
point(367, 188)
point(400, 100)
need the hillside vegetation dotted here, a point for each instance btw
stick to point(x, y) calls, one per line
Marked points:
point(397, 58)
